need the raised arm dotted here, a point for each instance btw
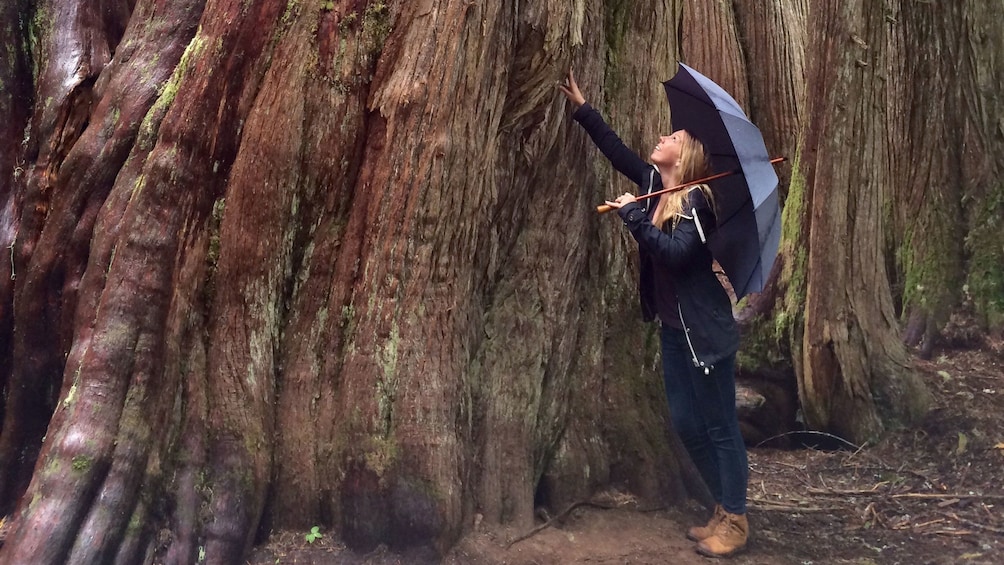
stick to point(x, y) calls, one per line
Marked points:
point(626, 161)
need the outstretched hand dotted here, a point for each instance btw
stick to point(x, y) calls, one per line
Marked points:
point(622, 200)
point(571, 90)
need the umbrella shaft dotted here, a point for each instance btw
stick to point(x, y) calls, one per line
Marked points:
point(603, 208)
point(701, 180)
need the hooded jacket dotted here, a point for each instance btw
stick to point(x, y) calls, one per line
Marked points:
point(704, 307)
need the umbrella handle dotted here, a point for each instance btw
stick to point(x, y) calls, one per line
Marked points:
point(604, 208)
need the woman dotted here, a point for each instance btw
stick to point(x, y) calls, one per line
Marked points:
point(699, 334)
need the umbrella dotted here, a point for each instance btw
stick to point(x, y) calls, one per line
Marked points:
point(749, 216)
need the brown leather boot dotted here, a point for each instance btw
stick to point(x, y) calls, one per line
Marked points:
point(729, 537)
point(700, 533)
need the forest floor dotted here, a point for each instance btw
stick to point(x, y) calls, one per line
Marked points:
point(930, 494)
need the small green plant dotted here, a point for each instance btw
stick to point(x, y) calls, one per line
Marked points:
point(315, 533)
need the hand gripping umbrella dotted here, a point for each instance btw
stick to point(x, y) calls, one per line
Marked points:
point(744, 183)
point(749, 217)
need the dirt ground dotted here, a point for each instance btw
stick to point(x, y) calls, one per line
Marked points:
point(931, 494)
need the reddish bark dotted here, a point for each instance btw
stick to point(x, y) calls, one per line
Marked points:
point(15, 106)
point(336, 264)
point(285, 261)
point(78, 44)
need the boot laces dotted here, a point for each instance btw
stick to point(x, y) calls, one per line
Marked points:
point(727, 525)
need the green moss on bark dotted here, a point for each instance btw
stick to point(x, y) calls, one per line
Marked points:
point(985, 281)
point(795, 269)
point(770, 338)
point(81, 463)
point(376, 26)
point(170, 88)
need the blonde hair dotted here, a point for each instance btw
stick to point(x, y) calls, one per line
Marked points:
point(694, 164)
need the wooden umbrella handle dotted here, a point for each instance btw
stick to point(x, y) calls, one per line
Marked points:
point(604, 208)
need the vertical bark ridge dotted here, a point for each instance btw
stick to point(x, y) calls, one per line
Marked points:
point(712, 45)
point(131, 314)
point(178, 468)
point(246, 309)
point(617, 441)
point(981, 76)
point(854, 363)
point(930, 211)
point(403, 474)
point(76, 40)
point(16, 98)
point(334, 122)
point(774, 36)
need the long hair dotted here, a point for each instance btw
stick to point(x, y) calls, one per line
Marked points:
point(694, 164)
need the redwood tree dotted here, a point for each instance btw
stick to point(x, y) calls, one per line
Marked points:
point(894, 201)
point(950, 198)
point(278, 265)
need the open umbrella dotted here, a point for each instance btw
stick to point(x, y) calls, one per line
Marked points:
point(749, 217)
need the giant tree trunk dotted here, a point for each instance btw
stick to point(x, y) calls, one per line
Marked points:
point(15, 108)
point(280, 265)
point(897, 192)
point(949, 200)
point(904, 124)
point(853, 371)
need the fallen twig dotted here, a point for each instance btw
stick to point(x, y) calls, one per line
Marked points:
point(883, 467)
point(548, 523)
point(767, 506)
point(915, 526)
point(975, 524)
point(951, 532)
point(783, 464)
point(948, 495)
point(878, 518)
point(841, 492)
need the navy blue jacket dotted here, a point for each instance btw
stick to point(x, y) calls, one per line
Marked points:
point(705, 308)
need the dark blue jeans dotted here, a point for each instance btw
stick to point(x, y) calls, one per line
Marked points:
point(703, 410)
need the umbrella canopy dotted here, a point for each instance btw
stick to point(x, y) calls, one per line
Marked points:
point(749, 216)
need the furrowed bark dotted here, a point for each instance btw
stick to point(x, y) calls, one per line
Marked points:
point(929, 204)
point(710, 40)
point(75, 43)
point(638, 441)
point(328, 126)
point(981, 77)
point(400, 455)
point(336, 263)
point(73, 495)
point(125, 347)
point(774, 53)
point(16, 83)
point(854, 377)
point(248, 307)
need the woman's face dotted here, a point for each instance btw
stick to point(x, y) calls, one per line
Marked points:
point(669, 149)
